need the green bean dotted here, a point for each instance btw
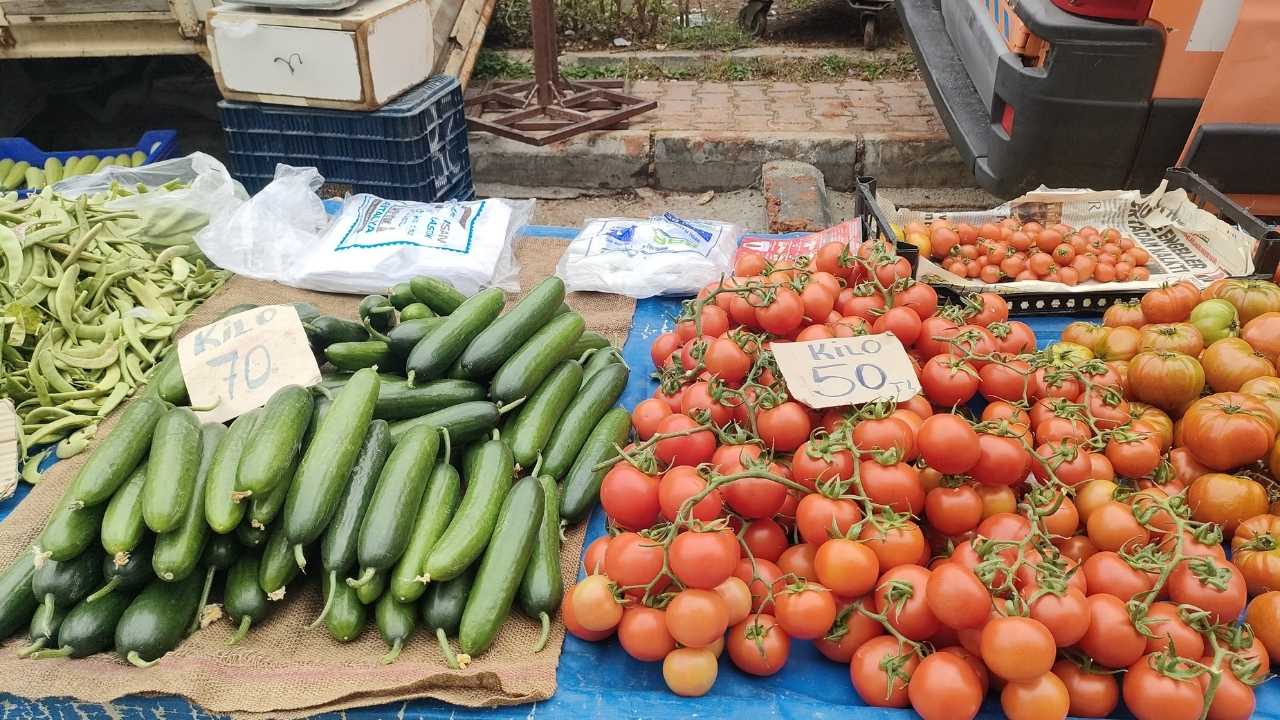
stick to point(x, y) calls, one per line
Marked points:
point(12, 250)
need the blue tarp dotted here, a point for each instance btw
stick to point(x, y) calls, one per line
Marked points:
point(599, 679)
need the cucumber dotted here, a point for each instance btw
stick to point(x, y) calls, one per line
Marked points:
point(542, 587)
point(177, 551)
point(436, 294)
point(129, 575)
point(488, 473)
point(277, 566)
point(313, 495)
point(43, 630)
point(528, 366)
point(338, 546)
point(243, 599)
point(63, 584)
point(438, 503)
point(357, 355)
point(404, 336)
point(436, 351)
point(250, 536)
point(464, 422)
point(401, 296)
point(377, 311)
point(398, 401)
point(369, 592)
point(389, 519)
point(587, 341)
point(167, 380)
point(500, 340)
point(416, 311)
point(581, 487)
point(17, 602)
point(171, 470)
point(263, 509)
point(122, 526)
point(347, 615)
point(326, 330)
point(442, 607)
point(223, 509)
point(571, 431)
point(220, 552)
point(273, 447)
point(109, 466)
point(158, 619)
point(396, 622)
point(535, 420)
point(598, 360)
point(70, 531)
point(503, 567)
point(89, 627)
point(306, 311)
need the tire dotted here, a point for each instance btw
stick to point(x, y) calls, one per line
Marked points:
point(753, 18)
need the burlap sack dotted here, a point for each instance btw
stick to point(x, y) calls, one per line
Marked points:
point(282, 669)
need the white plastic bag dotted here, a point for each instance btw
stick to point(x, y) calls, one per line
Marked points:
point(663, 255)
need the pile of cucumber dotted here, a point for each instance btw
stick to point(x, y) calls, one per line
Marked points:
point(425, 479)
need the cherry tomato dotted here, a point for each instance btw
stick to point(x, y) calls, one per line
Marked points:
point(692, 449)
point(765, 538)
point(805, 611)
point(681, 483)
point(1001, 461)
point(1111, 640)
point(894, 546)
point(957, 597)
point(632, 560)
point(754, 497)
point(758, 645)
point(945, 687)
point(849, 568)
point(643, 633)
point(697, 618)
point(872, 683)
point(902, 595)
point(948, 444)
point(629, 496)
point(798, 560)
point(594, 606)
point(703, 560)
point(662, 347)
point(1092, 694)
point(1040, 698)
point(1018, 648)
point(1150, 694)
point(817, 515)
point(947, 380)
point(784, 427)
point(784, 314)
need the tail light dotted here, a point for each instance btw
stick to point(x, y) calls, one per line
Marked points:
point(1006, 118)
point(1130, 10)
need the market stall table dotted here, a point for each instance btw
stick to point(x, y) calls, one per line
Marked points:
point(595, 680)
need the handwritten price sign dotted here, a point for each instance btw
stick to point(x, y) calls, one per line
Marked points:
point(847, 371)
point(234, 365)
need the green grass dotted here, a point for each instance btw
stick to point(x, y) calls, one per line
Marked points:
point(712, 36)
point(827, 68)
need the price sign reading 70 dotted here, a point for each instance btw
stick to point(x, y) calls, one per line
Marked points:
point(846, 371)
point(234, 364)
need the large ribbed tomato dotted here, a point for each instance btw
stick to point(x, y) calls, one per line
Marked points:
point(1167, 380)
point(1231, 362)
point(1228, 430)
point(1255, 549)
point(1251, 297)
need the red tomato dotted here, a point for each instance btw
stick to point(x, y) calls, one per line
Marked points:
point(895, 546)
point(872, 683)
point(948, 381)
point(1111, 639)
point(629, 496)
point(806, 611)
point(811, 466)
point(848, 567)
point(691, 449)
point(957, 597)
point(730, 459)
point(765, 538)
point(883, 434)
point(784, 427)
point(1001, 461)
point(697, 400)
point(903, 322)
point(643, 633)
point(1018, 648)
point(920, 297)
point(758, 645)
point(1150, 694)
point(703, 560)
point(697, 618)
point(948, 444)
point(953, 510)
point(945, 687)
point(1066, 616)
point(727, 360)
point(902, 596)
point(799, 560)
point(632, 560)
point(1195, 582)
point(681, 483)
point(761, 577)
point(754, 497)
point(662, 347)
point(817, 515)
point(818, 301)
point(849, 634)
point(715, 322)
point(784, 314)
point(897, 485)
point(593, 558)
point(647, 415)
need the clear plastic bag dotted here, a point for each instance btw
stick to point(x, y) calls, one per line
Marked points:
point(663, 255)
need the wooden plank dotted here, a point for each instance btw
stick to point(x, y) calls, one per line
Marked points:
point(80, 19)
point(79, 7)
point(346, 20)
point(444, 16)
point(466, 41)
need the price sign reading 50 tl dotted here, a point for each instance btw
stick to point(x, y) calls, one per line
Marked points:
point(847, 371)
point(234, 365)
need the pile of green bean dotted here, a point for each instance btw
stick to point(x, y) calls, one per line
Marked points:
point(90, 300)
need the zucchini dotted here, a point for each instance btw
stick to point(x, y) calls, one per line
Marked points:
point(17, 602)
point(581, 487)
point(389, 519)
point(528, 366)
point(587, 341)
point(404, 336)
point(436, 351)
point(158, 619)
point(499, 341)
point(273, 447)
point(223, 509)
point(542, 587)
point(571, 431)
point(598, 360)
point(502, 568)
point(264, 508)
point(243, 599)
point(89, 627)
point(43, 630)
point(313, 495)
point(220, 552)
point(70, 531)
point(177, 551)
point(346, 617)
point(277, 566)
point(167, 380)
point(63, 584)
point(464, 422)
point(416, 311)
point(401, 296)
point(122, 526)
point(326, 330)
point(438, 503)
point(437, 294)
point(488, 472)
point(129, 575)
point(251, 536)
point(357, 355)
point(109, 466)
point(398, 401)
point(534, 421)
point(442, 607)
point(171, 470)
point(377, 311)
point(396, 622)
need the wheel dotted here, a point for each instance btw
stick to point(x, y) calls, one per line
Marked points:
point(869, 28)
point(753, 18)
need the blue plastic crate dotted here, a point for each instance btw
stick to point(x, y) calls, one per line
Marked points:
point(157, 144)
point(444, 165)
point(461, 188)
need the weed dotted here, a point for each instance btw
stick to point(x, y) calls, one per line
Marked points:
point(712, 36)
point(827, 68)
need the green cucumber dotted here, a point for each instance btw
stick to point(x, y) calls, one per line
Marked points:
point(503, 566)
point(273, 447)
point(528, 366)
point(488, 473)
point(90, 626)
point(598, 360)
point(581, 487)
point(571, 431)
point(223, 509)
point(122, 526)
point(534, 421)
point(177, 551)
point(63, 584)
point(401, 296)
point(378, 312)
point(442, 607)
point(357, 355)
point(263, 509)
point(434, 512)
point(306, 311)
point(278, 566)
point(326, 330)
point(109, 466)
point(167, 380)
point(396, 622)
point(338, 546)
point(499, 341)
point(398, 401)
point(369, 592)
point(436, 351)
point(17, 602)
point(131, 574)
point(70, 531)
point(416, 311)
point(465, 422)
point(542, 587)
point(404, 336)
point(220, 552)
point(327, 463)
point(158, 619)
point(389, 519)
point(347, 615)
point(587, 341)
point(171, 470)
point(43, 630)
point(437, 294)
point(250, 536)
point(243, 599)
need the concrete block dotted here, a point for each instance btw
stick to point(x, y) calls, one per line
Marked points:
point(795, 197)
point(914, 160)
point(606, 160)
point(693, 161)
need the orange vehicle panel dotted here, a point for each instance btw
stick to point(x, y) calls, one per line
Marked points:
point(1182, 74)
